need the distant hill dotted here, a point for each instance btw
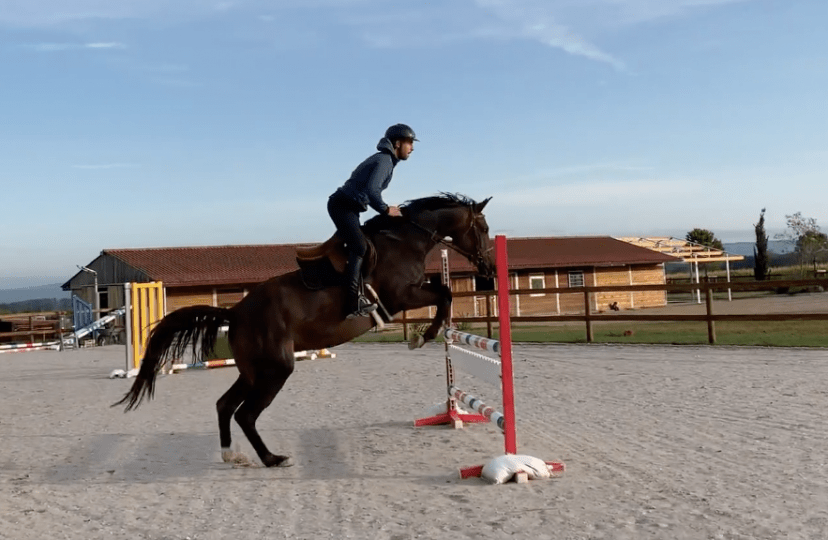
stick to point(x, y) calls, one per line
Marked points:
point(8, 296)
point(36, 305)
point(746, 248)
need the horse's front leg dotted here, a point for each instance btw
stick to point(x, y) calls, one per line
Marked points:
point(429, 294)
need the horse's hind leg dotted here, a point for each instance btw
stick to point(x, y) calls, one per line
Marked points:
point(268, 383)
point(226, 406)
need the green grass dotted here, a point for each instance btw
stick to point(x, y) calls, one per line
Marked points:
point(764, 333)
point(756, 333)
point(222, 350)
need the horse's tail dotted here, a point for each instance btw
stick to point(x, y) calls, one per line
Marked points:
point(189, 326)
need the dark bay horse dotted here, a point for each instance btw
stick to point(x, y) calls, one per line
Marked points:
point(282, 315)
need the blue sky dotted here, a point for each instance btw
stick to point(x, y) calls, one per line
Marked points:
point(148, 123)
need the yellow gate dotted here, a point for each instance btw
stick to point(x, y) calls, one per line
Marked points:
point(144, 308)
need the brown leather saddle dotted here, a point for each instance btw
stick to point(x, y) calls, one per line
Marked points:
point(322, 265)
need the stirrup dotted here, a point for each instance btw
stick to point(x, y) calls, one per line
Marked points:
point(364, 308)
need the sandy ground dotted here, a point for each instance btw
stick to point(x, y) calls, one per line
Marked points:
point(780, 303)
point(659, 442)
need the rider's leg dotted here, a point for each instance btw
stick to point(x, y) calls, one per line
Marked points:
point(355, 302)
point(346, 219)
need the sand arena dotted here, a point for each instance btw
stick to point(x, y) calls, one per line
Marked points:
point(659, 442)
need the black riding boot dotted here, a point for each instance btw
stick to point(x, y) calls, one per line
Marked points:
point(356, 305)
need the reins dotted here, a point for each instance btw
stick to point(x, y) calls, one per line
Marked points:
point(448, 241)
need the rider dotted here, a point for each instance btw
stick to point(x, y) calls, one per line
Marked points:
point(364, 188)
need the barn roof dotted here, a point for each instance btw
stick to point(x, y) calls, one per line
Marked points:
point(249, 264)
point(561, 252)
point(210, 265)
point(579, 251)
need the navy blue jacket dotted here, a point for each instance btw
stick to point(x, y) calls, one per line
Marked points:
point(371, 177)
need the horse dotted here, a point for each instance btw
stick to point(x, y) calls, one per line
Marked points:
point(283, 314)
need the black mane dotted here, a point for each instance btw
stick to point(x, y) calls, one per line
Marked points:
point(436, 202)
point(415, 207)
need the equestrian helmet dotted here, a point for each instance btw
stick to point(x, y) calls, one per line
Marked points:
point(400, 131)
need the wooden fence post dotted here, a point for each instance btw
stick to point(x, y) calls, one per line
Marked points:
point(588, 317)
point(711, 324)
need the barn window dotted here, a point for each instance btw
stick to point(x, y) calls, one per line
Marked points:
point(537, 281)
point(576, 279)
point(103, 298)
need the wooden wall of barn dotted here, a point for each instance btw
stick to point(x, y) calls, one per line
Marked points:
point(474, 306)
point(549, 304)
point(542, 304)
point(631, 275)
point(179, 297)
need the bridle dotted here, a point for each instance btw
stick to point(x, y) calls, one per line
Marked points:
point(476, 258)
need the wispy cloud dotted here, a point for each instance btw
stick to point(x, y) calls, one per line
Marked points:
point(106, 45)
point(51, 13)
point(58, 47)
point(566, 24)
point(576, 27)
point(224, 6)
point(102, 166)
point(559, 36)
point(541, 21)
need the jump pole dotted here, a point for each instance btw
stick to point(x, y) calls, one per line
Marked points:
point(24, 347)
point(226, 362)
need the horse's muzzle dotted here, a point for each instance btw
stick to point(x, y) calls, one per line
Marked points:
point(486, 268)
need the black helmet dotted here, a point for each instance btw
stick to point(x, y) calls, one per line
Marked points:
point(400, 131)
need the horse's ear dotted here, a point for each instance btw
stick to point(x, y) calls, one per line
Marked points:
point(478, 207)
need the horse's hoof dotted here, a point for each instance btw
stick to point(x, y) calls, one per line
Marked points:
point(237, 459)
point(277, 461)
point(416, 342)
point(233, 455)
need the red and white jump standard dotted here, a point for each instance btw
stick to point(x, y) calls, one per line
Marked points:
point(498, 373)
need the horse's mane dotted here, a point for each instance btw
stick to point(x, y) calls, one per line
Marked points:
point(436, 202)
point(415, 207)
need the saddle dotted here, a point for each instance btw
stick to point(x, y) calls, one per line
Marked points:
point(323, 265)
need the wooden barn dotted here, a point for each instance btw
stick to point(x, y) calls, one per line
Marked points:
point(222, 275)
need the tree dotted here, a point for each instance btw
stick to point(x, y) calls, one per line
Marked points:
point(761, 260)
point(810, 243)
point(705, 238)
point(812, 246)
